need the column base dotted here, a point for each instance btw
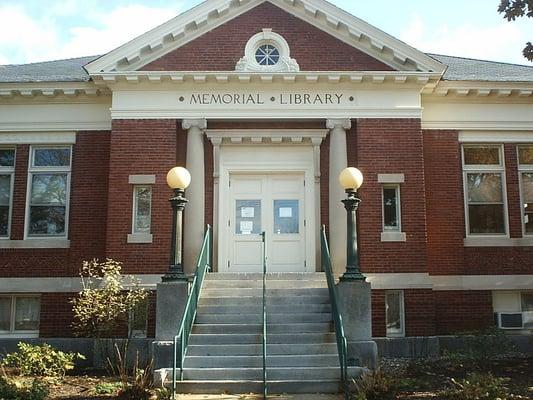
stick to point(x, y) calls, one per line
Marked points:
point(363, 354)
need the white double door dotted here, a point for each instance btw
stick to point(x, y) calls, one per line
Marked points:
point(270, 203)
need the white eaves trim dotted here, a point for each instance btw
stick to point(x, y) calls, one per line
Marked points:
point(487, 91)
point(53, 90)
point(212, 13)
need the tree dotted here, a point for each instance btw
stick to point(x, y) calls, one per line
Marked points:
point(106, 299)
point(513, 9)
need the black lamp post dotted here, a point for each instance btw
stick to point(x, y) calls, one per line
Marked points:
point(178, 179)
point(351, 179)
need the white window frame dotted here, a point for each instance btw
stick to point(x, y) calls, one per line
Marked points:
point(402, 313)
point(11, 172)
point(396, 187)
point(39, 170)
point(24, 333)
point(496, 169)
point(134, 230)
point(523, 168)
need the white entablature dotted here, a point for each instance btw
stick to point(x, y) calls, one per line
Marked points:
point(212, 13)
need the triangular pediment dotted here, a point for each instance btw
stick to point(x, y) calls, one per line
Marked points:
point(378, 49)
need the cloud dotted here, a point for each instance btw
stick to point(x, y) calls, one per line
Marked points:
point(501, 42)
point(41, 39)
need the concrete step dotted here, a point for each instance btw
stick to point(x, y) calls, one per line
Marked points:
point(312, 360)
point(258, 318)
point(318, 327)
point(234, 299)
point(271, 284)
point(257, 349)
point(258, 309)
point(270, 276)
point(276, 373)
point(258, 292)
point(301, 338)
point(246, 387)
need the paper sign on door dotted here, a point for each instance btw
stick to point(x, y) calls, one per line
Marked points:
point(246, 227)
point(285, 212)
point(247, 212)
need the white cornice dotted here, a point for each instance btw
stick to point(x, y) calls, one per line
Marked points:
point(212, 13)
point(422, 79)
point(480, 89)
point(266, 136)
point(52, 90)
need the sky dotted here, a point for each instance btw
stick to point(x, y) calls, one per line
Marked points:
point(40, 30)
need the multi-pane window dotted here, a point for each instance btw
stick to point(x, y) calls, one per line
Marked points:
point(49, 184)
point(394, 310)
point(525, 165)
point(484, 185)
point(142, 209)
point(7, 169)
point(391, 208)
point(19, 314)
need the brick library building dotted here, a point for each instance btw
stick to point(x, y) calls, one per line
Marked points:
point(265, 103)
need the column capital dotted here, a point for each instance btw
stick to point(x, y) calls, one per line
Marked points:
point(343, 123)
point(200, 123)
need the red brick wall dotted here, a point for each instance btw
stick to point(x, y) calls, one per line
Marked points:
point(462, 311)
point(148, 147)
point(444, 202)
point(221, 48)
point(419, 312)
point(88, 210)
point(391, 146)
point(56, 315)
point(446, 214)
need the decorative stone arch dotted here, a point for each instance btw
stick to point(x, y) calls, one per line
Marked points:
point(249, 63)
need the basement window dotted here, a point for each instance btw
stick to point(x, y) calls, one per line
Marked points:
point(395, 314)
point(19, 315)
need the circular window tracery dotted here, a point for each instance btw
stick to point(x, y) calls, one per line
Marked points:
point(267, 55)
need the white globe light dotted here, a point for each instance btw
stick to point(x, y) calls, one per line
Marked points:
point(178, 178)
point(351, 178)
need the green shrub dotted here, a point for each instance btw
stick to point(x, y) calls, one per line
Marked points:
point(376, 385)
point(477, 386)
point(106, 387)
point(43, 360)
point(16, 390)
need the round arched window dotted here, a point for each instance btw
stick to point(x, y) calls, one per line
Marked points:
point(266, 55)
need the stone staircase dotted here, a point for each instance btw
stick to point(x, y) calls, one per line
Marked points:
point(225, 350)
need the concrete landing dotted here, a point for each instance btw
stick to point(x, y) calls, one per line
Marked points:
point(258, 397)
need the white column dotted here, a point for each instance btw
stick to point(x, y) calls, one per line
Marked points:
point(338, 160)
point(195, 193)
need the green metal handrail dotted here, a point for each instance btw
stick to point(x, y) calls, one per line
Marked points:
point(342, 345)
point(265, 391)
point(189, 314)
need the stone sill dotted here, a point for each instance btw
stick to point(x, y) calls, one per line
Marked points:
point(497, 242)
point(140, 238)
point(44, 243)
point(393, 237)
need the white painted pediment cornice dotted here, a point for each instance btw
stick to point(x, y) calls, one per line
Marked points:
point(418, 79)
point(212, 13)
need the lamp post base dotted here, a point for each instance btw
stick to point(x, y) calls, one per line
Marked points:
point(351, 275)
point(175, 273)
